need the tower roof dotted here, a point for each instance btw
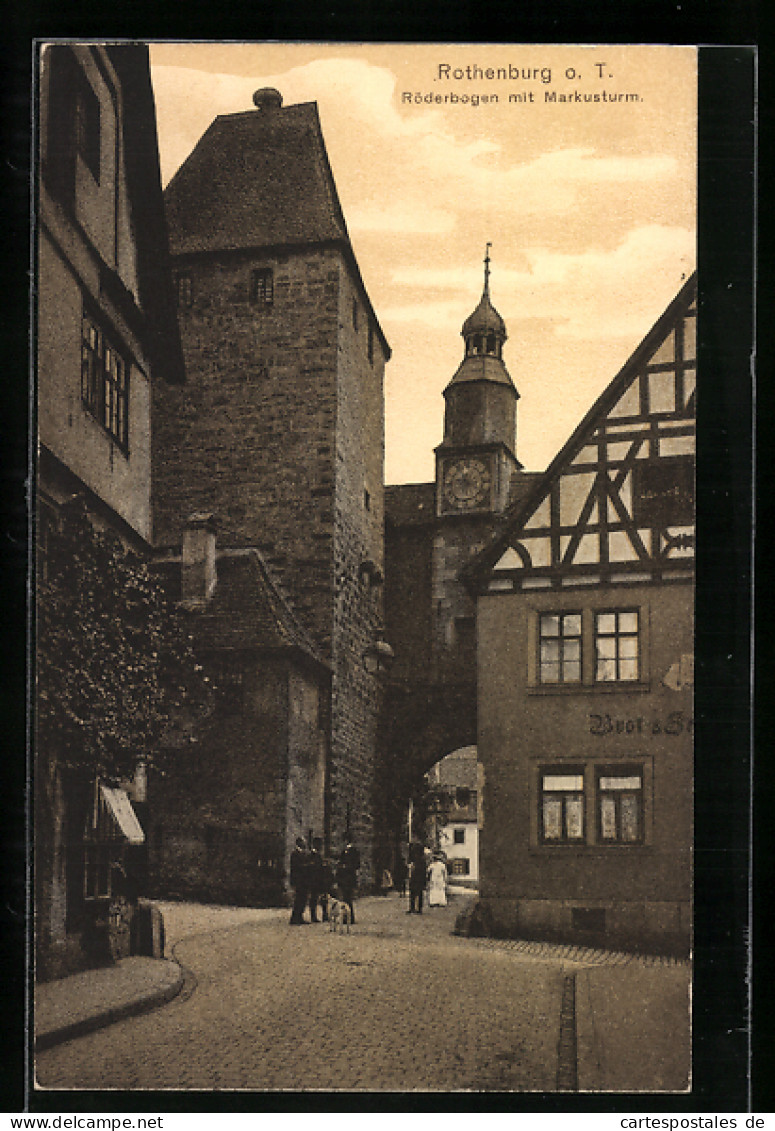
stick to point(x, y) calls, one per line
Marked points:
point(256, 179)
point(482, 367)
point(260, 179)
point(485, 319)
point(484, 332)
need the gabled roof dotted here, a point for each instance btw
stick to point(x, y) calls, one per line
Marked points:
point(246, 611)
point(524, 507)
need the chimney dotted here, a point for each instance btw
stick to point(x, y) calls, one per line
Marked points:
point(198, 576)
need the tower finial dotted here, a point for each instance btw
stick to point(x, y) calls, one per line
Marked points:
point(487, 247)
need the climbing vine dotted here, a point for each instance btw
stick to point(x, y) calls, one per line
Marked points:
point(117, 676)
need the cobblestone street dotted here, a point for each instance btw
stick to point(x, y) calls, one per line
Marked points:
point(399, 1004)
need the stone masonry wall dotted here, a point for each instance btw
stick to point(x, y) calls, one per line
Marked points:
point(251, 434)
point(453, 630)
point(280, 432)
point(218, 824)
point(359, 537)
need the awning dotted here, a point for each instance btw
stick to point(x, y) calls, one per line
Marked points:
point(124, 815)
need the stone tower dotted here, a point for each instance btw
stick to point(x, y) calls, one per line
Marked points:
point(476, 461)
point(432, 530)
point(476, 473)
point(279, 431)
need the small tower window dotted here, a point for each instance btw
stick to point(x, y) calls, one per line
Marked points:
point(185, 291)
point(355, 314)
point(262, 286)
point(490, 343)
point(371, 346)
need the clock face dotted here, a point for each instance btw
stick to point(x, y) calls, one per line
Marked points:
point(466, 483)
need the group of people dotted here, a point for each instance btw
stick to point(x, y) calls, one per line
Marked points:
point(315, 880)
point(426, 870)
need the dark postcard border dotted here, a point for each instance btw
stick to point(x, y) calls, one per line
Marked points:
point(723, 804)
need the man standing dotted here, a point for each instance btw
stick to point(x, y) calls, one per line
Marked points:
point(347, 875)
point(316, 870)
point(417, 877)
point(299, 877)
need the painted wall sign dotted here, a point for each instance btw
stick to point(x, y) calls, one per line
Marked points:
point(673, 724)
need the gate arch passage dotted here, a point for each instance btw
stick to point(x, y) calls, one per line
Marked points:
point(421, 723)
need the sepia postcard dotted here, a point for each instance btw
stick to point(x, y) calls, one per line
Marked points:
point(365, 528)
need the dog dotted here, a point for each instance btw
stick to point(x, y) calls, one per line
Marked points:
point(338, 915)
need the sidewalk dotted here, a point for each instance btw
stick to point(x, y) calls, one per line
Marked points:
point(633, 1028)
point(70, 1007)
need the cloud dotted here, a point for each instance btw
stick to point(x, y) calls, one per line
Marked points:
point(404, 217)
point(425, 312)
point(587, 294)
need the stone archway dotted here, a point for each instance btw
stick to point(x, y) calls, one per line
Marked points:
point(452, 813)
point(421, 723)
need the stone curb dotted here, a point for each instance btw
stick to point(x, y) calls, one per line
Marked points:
point(148, 1001)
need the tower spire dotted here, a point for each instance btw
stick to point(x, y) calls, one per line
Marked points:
point(487, 247)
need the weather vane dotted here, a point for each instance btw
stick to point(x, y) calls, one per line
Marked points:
point(487, 247)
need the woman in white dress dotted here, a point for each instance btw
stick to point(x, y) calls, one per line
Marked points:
point(437, 886)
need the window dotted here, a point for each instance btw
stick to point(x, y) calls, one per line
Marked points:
point(185, 290)
point(617, 647)
point(96, 871)
point(87, 126)
point(620, 805)
point(460, 866)
point(355, 315)
point(458, 836)
point(560, 647)
point(562, 806)
point(101, 846)
point(371, 346)
point(73, 129)
point(104, 382)
point(262, 286)
point(588, 919)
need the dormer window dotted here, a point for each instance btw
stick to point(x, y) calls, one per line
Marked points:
point(262, 286)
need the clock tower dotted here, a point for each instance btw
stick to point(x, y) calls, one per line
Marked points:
point(476, 461)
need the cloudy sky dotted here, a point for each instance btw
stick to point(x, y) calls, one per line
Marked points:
point(589, 205)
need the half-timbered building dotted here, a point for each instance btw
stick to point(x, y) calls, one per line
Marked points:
point(585, 669)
